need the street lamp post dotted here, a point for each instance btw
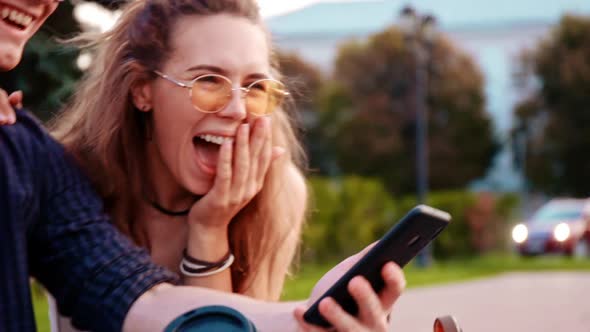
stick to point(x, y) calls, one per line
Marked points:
point(420, 33)
point(523, 166)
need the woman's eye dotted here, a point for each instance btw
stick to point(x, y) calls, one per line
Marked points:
point(210, 79)
point(258, 86)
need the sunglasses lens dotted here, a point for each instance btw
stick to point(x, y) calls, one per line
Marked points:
point(211, 93)
point(264, 96)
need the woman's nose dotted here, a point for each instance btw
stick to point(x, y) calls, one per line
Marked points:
point(236, 109)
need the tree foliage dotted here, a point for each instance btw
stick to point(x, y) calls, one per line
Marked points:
point(307, 85)
point(556, 114)
point(47, 72)
point(372, 113)
point(303, 79)
point(350, 212)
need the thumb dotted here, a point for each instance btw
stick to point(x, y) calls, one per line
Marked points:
point(367, 248)
point(16, 99)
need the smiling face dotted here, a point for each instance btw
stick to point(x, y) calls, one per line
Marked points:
point(20, 19)
point(186, 141)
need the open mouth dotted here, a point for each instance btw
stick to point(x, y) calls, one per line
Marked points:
point(15, 17)
point(207, 149)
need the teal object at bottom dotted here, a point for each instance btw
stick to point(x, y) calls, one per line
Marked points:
point(211, 319)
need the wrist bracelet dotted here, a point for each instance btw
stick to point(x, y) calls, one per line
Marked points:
point(197, 262)
point(188, 268)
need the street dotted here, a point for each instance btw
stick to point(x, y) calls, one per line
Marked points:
point(536, 302)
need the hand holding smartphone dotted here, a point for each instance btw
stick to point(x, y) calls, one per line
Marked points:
point(402, 243)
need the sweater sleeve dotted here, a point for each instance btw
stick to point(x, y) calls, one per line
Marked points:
point(94, 272)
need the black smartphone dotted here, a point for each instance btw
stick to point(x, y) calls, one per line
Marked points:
point(402, 243)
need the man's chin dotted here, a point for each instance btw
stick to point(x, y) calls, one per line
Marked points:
point(9, 59)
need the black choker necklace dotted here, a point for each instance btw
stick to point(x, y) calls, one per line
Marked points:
point(169, 212)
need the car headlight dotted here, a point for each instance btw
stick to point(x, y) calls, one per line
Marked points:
point(520, 233)
point(561, 232)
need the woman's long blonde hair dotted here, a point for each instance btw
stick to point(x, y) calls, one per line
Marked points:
point(107, 134)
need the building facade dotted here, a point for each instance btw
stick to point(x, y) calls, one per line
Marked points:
point(493, 32)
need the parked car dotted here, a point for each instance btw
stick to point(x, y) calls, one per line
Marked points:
point(560, 226)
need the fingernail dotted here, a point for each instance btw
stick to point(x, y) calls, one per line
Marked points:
point(328, 304)
point(390, 270)
point(362, 284)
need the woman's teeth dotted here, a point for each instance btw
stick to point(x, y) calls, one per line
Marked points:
point(16, 17)
point(215, 139)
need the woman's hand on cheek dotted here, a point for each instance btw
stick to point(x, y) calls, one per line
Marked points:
point(241, 170)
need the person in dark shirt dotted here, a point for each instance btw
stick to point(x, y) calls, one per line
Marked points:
point(52, 227)
point(217, 176)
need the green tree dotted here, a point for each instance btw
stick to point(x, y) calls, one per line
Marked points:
point(48, 72)
point(47, 75)
point(306, 83)
point(303, 79)
point(375, 117)
point(556, 114)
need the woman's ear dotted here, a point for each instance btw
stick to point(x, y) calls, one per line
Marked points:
point(142, 96)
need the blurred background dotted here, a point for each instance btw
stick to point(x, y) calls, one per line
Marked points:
point(479, 108)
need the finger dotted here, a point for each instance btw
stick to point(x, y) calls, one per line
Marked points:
point(340, 319)
point(5, 108)
point(241, 163)
point(258, 136)
point(305, 326)
point(395, 283)
point(258, 140)
point(16, 99)
point(222, 184)
point(266, 154)
point(371, 311)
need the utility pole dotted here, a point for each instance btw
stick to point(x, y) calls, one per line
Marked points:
point(419, 32)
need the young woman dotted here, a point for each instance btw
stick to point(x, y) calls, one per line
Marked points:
point(179, 124)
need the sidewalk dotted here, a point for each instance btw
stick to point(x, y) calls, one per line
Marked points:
point(514, 302)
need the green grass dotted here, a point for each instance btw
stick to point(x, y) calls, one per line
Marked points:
point(41, 307)
point(300, 286)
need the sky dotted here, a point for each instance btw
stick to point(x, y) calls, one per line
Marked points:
point(93, 15)
point(451, 10)
point(277, 7)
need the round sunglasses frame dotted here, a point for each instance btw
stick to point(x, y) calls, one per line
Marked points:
point(244, 90)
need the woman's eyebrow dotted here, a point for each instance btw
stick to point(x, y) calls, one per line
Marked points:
point(221, 71)
point(257, 76)
point(214, 69)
